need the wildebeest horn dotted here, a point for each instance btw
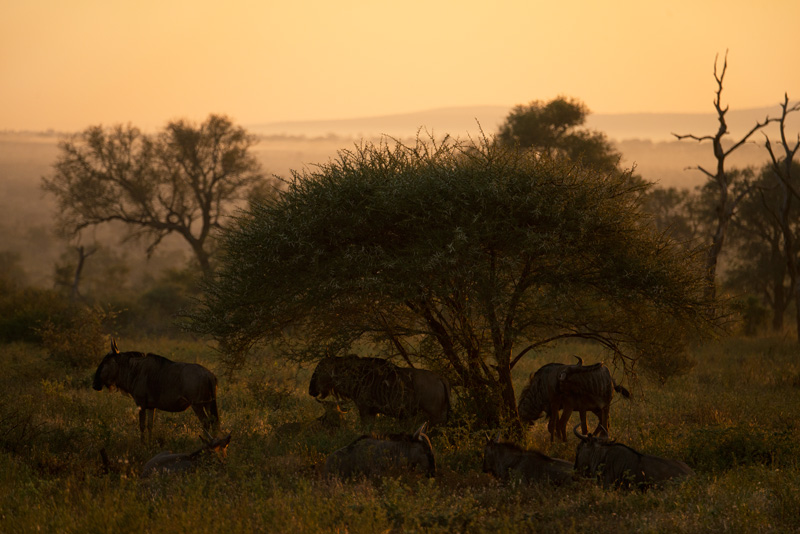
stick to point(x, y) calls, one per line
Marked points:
point(114, 348)
point(497, 439)
point(581, 436)
point(580, 360)
point(420, 430)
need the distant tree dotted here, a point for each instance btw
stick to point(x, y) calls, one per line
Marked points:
point(183, 180)
point(721, 179)
point(674, 212)
point(456, 256)
point(553, 128)
point(757, 265)
point(785, 171)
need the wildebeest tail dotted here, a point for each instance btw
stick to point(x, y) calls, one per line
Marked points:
point(622, 391)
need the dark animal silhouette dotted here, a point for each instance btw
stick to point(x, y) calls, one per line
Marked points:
point(378, 386)
point(617, 465)
point(555, 387)
point(507, 461)
point(372, 456)
point(156, 383)
point(167, 462)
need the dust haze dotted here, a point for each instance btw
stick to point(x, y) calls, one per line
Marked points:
point(27, 215)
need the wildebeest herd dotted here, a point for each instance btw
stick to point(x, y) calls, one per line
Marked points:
point(376, 386)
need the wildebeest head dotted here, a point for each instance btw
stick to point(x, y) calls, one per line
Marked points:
point(536, 397)
point(322, 380)
point(491, 451)
point(586, 453)
point(108, 370)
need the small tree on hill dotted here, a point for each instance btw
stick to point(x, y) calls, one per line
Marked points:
point(554, 128)
point(454, 256)
point(184, 180)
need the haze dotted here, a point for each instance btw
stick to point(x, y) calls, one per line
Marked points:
point(67, 65)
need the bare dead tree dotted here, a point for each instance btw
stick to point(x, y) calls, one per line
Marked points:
point(783, 169)
point(727, 199)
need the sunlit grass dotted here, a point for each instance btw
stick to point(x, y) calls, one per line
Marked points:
point(732, 419)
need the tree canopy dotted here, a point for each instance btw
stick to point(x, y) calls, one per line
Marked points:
point(184, 180)
point(554, 127)
point(455, 256)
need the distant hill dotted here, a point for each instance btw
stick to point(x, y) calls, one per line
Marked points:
point(465, 121)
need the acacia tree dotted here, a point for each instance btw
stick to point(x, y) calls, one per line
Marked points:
point(554, 128)
point(455, 257)
point(720, 179)
point(183, 180)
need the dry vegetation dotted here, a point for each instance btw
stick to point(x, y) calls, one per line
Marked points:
point(732, 419)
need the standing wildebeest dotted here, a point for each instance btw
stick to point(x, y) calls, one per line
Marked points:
point(378, 386)
point(156, 383)
point(508, 461)
point(167, 462)
point(373, 457)
point(618, 465)
point(570, 388)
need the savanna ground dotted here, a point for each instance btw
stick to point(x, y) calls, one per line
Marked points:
point(732, 419)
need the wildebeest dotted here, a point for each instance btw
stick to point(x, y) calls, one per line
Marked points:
point(618, 465)
point(554, 387)
point(508, 461)
point(372, 456)
point(156, 383)
point(378, 386)
point(167, 462)
point(587, 388)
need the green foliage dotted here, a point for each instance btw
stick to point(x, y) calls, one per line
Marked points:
point(448, 254)
point(552, 128)
point(723, 448)
point(22, 312)
point(77, 339)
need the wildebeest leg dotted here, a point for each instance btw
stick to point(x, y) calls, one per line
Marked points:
point(204, 413)
point(553, 422)
point(584, 426)
point(562, 423)
point(144, 415)
point(602, 421)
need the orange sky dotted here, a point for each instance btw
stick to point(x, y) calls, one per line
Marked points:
point(70, 64)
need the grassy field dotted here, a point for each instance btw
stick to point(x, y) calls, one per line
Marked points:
point(732, 419)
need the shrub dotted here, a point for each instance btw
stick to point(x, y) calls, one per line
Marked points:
point(79, 339)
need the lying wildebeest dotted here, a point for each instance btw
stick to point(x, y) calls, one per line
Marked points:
point(618, 465)
point(378, 386)
point(508, 461)
point(156, 383)
point(373, 457)
point(167, 462)
point(557, 386)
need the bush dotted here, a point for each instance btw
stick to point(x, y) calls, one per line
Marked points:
point(718, 449)
point(77, 340)
point(23, 312)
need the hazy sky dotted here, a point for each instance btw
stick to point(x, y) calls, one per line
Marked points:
point(70, 64)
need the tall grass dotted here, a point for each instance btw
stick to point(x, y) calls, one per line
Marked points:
point(732, 419)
